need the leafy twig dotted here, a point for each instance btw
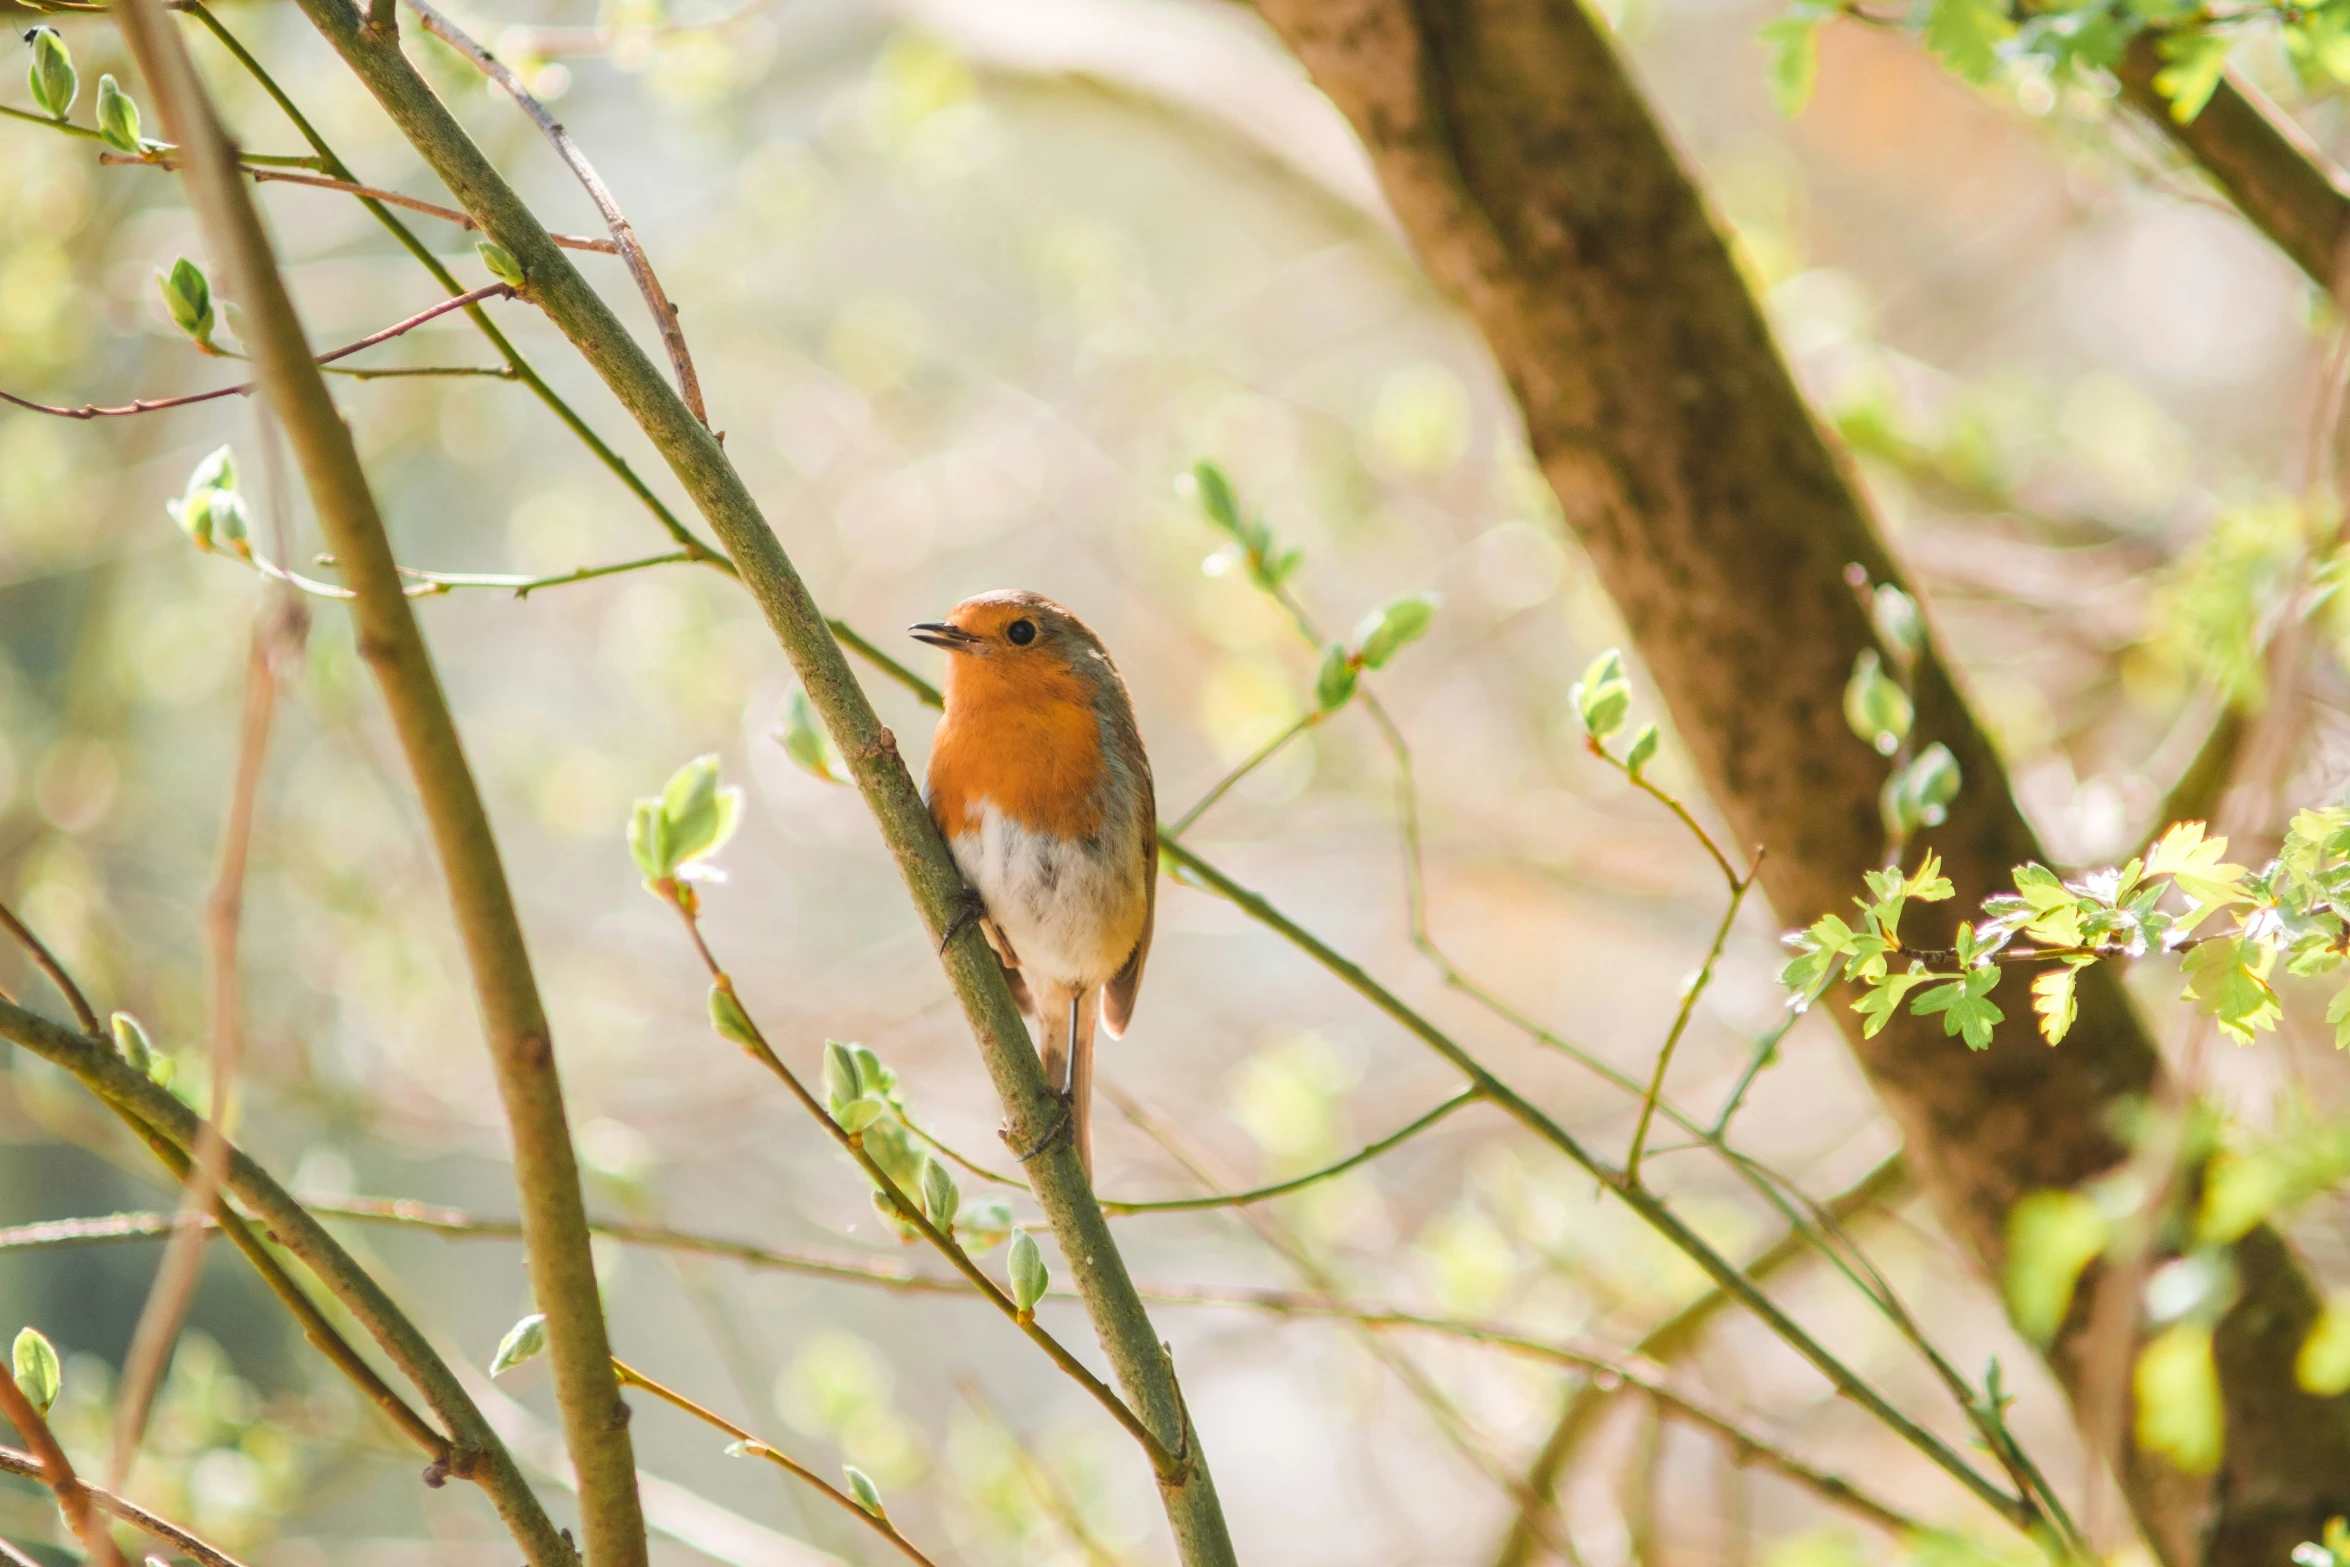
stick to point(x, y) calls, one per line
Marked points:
point(750, 1446)
point(56, 1472)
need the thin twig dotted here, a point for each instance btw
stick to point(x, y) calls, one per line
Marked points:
point(195, 1548)
point(752, 1447)
point(244, 388)
point(389, 198)
point(47, 963)
point(1256, 759)
point(56, 1472)
point(1689, 995)
point(279, 621)
point(632, 252)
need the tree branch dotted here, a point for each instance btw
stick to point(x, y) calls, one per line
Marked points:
point(56, 1472)
point(476, 1453)
point(190, 1545)
point(694, 455)
point(546, 1172)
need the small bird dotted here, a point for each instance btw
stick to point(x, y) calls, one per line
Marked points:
point(1039, 782)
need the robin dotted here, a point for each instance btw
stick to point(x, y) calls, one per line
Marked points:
point(1039, 782)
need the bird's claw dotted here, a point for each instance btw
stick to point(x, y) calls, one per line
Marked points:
point(970, 909)
point(1059, 1131)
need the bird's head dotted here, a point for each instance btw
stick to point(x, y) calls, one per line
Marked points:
point(1012, 642)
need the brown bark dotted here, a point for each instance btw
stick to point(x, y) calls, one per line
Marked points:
point(1527, 171)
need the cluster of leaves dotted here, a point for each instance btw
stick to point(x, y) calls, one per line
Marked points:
point(1979, 39)
point(2294, 912)
point(187, 296)
point(1602, 700)
point(1880, 709)
point(211, 510)
point(862, 1095)
point(673, 836)
point(56, 84)
point(1378, 637)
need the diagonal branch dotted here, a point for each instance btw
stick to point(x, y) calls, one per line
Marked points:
point(693, 453)
point(189, 1545)
point(546, 1171)
point(476, 1453)
point(689, 385)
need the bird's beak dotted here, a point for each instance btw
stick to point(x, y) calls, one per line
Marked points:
point(939, 634)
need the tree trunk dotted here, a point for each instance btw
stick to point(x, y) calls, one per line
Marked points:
point(1527, 171)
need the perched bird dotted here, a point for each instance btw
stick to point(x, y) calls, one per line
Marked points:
point(1039, 782)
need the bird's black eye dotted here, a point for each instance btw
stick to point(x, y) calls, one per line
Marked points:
point(1022, 632)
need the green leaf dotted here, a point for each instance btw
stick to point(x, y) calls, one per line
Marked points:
point(2054, 1001)
point(2194, 866)
point(940, 1196)
point(1884, 999)
point(524, 1340)
point(1792, 42)
point(863, 1489)
point(728, 1017)
point(54, 81)
point(500, 262)
point(2323, 1366)
point(37, 1371)
point(187, 294)
point(1392, 627)
point(131, 1038)
point(805, 741)
point(1966, 34)
point(858, 1114)
point(1030, 1276)
point(648, 840)
point(1875, 705)
point(1602, 698)
point(2179, 1410)
point(2051, 1237)
point(118, 118)
point(1898, 625)
point(1216, 498)
point(1965, 1006)
point(2195, 62)
point(1920, 794)
point(2230, 990)
point(841, 1082)
point(1334, 682)
point(1643, 749)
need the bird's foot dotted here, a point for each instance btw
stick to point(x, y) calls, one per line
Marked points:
point(1064, 1122)
point(970, 909)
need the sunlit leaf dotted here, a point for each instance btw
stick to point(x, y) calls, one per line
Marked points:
point(2179, 1411)
point(2051, 1237)
point(523, 1341)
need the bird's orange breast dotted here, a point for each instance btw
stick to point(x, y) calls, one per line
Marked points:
point(1026, 742)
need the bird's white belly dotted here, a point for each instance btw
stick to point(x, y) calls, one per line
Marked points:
point(1071, 908)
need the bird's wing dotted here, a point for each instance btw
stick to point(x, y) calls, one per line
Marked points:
point(1118, 995)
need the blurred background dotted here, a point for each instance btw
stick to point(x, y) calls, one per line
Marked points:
point(969, 287)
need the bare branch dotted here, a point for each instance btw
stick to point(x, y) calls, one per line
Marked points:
point(194, 1547)
point(56, 1472)
point(390, 198)
point(244, 388)
point(681, 360)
